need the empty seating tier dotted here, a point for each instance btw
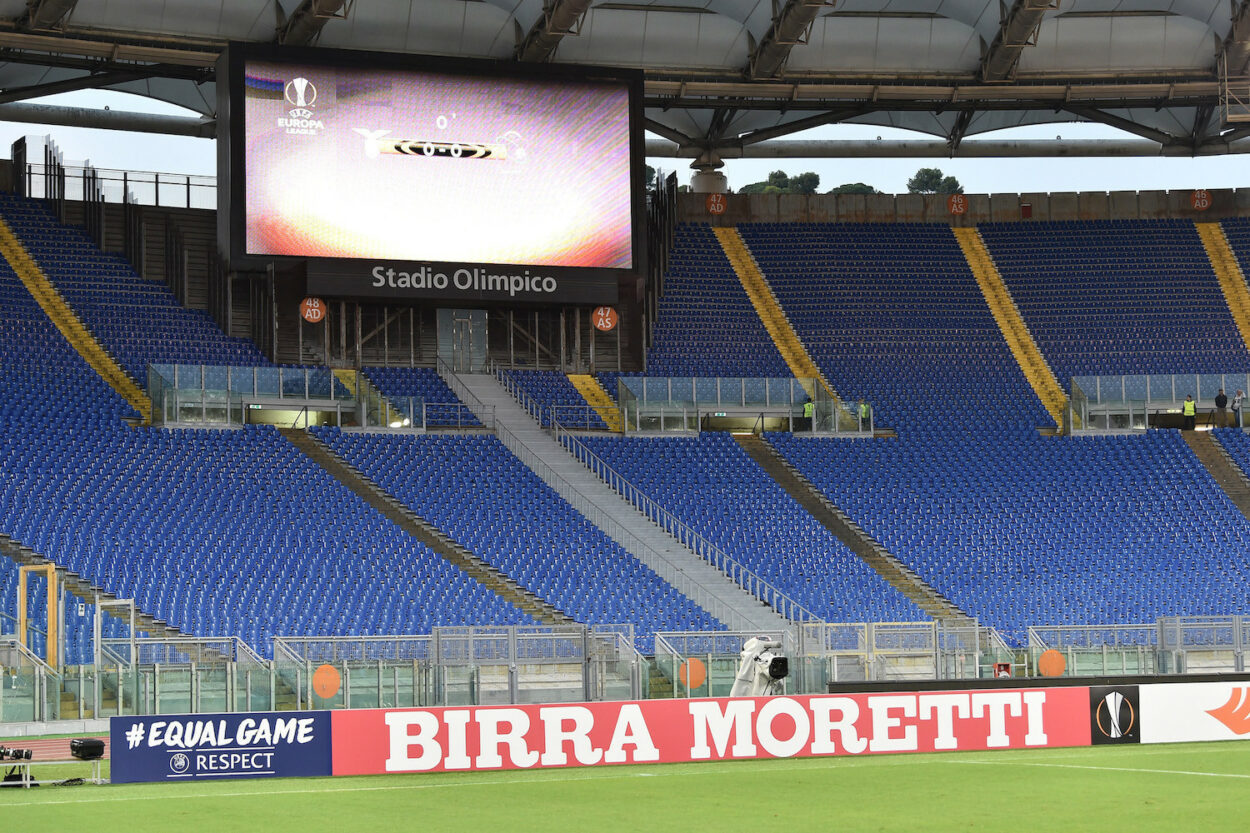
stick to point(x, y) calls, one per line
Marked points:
point(1118, 296)
point(710, 484)
point(475, 491)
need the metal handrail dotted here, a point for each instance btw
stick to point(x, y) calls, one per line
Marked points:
point(750, 581)
point(531, 405)
point(31, 657)
point(485, 413)
point(664, 568)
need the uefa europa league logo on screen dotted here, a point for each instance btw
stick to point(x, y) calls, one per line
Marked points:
point(301, 92)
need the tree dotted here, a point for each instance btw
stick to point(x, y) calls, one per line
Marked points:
point(931, 181)
point(779, 182)
point(649, 182)
point(805, 183)
point(854, 188)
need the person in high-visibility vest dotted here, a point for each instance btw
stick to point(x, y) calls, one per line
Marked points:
point(865, 415)
point(1189, 410)
point(809, 410)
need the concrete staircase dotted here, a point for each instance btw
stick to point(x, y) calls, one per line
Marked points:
point(1228, 271)
point(594, 394)
point(769, 310)
point(409, 522)
point(1011, 323)
point(1221, 467)
point(672, 561)
point(84, 590)
point(850, 533)
point(379, 409)
point(68, 322)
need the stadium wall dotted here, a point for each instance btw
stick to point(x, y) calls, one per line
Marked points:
point(1208, 204)
point(379, 741)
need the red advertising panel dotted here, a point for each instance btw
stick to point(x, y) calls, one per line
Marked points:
point(378, 741)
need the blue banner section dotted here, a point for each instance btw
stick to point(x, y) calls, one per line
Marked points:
point(206, 747)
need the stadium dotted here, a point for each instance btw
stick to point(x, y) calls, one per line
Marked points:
point(438, 462)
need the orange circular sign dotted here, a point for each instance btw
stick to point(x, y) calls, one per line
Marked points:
point(1200, 199)
point(312, 309)
point(692, 673)
point(957, 204)
point(326, 681)
point(715, 203)
point(605, 318)
point(1051, 663)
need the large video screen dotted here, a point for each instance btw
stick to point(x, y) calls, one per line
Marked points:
point(403, 164)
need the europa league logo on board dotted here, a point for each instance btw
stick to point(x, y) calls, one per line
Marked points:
point(301, 92)
point(1114, 714)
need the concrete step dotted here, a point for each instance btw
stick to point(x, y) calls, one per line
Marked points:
point(82, 589)
point(1221, 467)
point(849, 532)
point(675, 563)
point(418, 528)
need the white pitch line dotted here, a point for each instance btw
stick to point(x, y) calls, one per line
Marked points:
point(1110, 768)
point(697, 768)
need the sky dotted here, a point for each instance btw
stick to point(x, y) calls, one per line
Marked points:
point(185, 155)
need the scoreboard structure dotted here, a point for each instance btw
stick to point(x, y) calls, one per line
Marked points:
point(412, 178)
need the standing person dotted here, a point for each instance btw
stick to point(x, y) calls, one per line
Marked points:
point(809, 409)
point(1221, 415)
point(1189, 410)
point(1237, 397)
point(865, 415)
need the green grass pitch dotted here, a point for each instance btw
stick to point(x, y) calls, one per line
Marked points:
point(1183, 787)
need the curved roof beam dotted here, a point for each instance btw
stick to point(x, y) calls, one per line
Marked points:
point(1112, 120)
point(936, 148)
point(559, 18)
point(306, 22)
point(1018, 29)
point(82, 82)
point(792, 23)
point(45, 14)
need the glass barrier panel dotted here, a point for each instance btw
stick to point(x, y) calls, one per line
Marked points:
point(190, 406)
point(294, 382)
point(1159, 387)
point(1209, 384)
point(755, 391)
point(682, 391)
point(1135, 387)
point(706, 389)
point(243, 380)
point(217, 378)
point(189, 376)
point(321, 384)
point(268, 381)
point(655, 390)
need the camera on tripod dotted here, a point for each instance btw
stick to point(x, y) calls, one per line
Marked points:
point(7, 754)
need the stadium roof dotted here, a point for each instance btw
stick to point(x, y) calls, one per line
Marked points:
point(721, 75)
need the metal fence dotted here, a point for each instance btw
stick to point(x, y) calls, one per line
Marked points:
point(1171, 645)
point(463, 666)
point(570, 663)
point(144, 187)
point(864, 651)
